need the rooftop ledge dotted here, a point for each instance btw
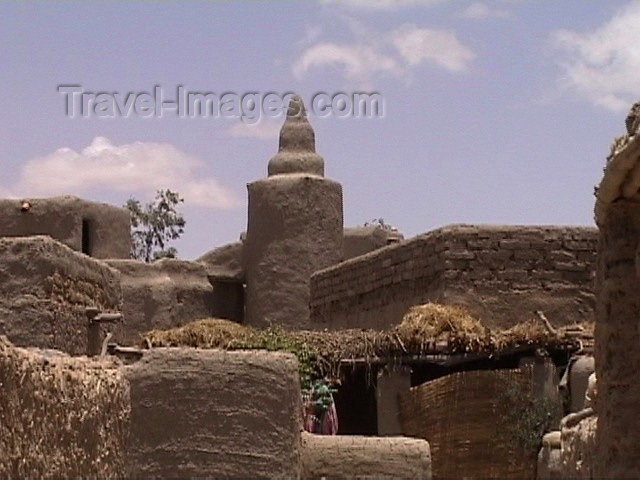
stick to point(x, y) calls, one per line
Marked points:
point(621, 178)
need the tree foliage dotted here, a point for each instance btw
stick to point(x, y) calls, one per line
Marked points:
point(154, 225)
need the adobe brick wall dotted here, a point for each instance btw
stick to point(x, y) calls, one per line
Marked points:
point(500, 273)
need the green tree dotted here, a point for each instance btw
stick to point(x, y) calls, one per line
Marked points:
point(154, 225)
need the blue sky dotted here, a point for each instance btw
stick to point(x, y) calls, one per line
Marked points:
point(497, 111)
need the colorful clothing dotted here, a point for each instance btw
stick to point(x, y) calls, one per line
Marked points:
point(319, 410)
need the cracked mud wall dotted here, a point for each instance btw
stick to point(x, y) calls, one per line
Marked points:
point(361, 240)
point(60, 417)
point(224, 261)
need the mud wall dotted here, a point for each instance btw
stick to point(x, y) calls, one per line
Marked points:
point(97, 229)
point(499, 273)
point(360, 240)
point(224, 262)
point(617, 338)
point(45, 288)
point(216, 414)
point(549, 459)
point(351, 457)
point(163, 294)
point(60, 417)
point(223, 266)
point(577, 455)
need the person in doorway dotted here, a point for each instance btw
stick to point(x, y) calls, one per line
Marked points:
point(320, 415)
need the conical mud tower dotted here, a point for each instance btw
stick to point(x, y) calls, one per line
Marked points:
point(294, 227)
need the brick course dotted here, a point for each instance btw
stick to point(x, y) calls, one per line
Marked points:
point(501, 273)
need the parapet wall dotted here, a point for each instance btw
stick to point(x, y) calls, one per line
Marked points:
point(356, 457)
point(500, 273)
point(97, 229)
point(163, 294)
point(224, 261)
point(214, 414)
point(45, 288)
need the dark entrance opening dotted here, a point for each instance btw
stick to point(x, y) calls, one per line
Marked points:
point(87, 246)
point(228, 298)
point(425, 372)
point(356, 402)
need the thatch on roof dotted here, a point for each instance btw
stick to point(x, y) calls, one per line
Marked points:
point(428, 329)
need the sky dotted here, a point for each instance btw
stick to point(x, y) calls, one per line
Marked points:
point(495, 111)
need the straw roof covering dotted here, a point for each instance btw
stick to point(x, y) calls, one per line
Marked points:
point(429, 329)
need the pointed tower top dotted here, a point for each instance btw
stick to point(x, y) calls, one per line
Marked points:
point(296, 107)
point(297, 148)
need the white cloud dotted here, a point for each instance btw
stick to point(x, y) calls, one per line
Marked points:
point(267, 129)
point(481, 11)
point(395, 52)
point(603, 66)
point(439, 47)
point(131, 168)
point(358, 62)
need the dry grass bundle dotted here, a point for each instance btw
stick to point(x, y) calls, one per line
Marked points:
point(60, 417)
point(207, 333)
point(424, 327)
point(529, 332)
point(534, 333)
point(347, 344)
